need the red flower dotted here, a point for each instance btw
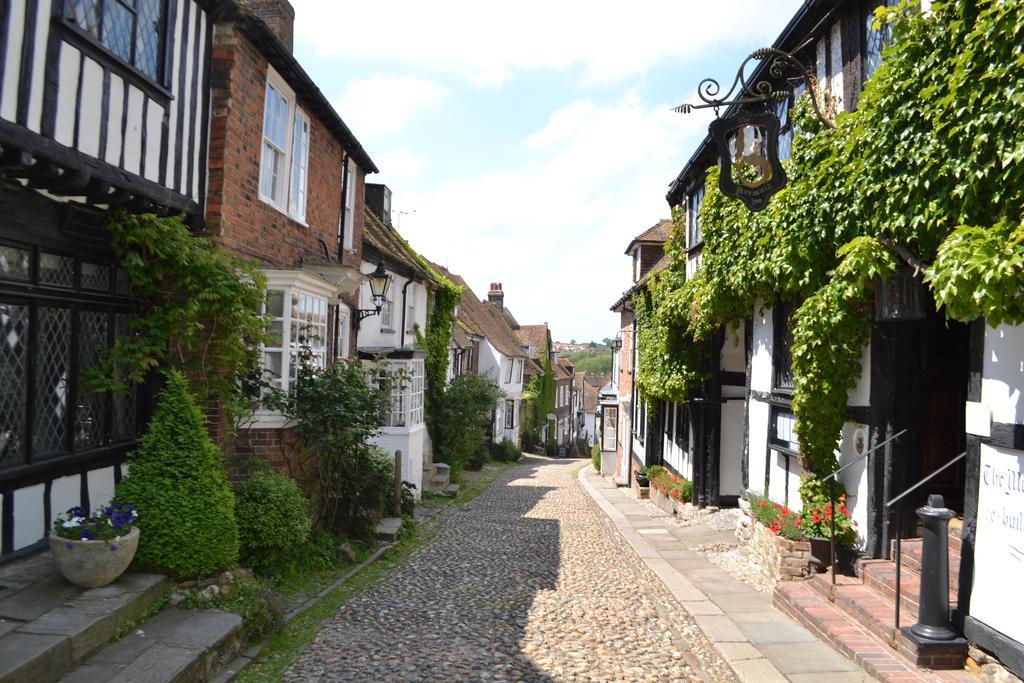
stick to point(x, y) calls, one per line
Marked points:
point(855, 523)
point(763, 504)
point(842, 508)
point(785, 511)
point(799, 522)
point(816, 517)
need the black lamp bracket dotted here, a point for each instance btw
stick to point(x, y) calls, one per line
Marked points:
point(782, 65)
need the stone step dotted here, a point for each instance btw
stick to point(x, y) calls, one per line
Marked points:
point(175, 646)
point(441, 467)
point(48, 626)
point(832, 624)
point(452, 490)
point(388, 528)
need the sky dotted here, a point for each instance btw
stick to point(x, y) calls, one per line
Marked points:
point(527, 143)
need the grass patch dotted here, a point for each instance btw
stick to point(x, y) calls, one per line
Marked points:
point(281, 650)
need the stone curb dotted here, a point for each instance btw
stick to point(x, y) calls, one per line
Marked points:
point(746, 660)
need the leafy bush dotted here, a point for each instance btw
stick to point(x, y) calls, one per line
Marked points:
point(462, 418)
point(176, 480)
point(818, 512)
point(595, 457)
point(336, 411)
point(506, 451)
point(273, 521)
point(779, 519)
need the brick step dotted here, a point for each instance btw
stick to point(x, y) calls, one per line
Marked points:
point(910, 558)
point(807, 606)
point(48, 626)
point(175, 646)
point(873, 612)
point(880, 576)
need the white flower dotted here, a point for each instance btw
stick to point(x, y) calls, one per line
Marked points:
point(68, 524)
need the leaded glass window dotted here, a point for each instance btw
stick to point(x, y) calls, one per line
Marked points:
point(133, 30)
point(875, 38)
point(57, 315)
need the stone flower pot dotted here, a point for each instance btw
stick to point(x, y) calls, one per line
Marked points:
point(91, 564)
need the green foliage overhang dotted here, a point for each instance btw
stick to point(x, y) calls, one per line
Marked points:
point(930, 166)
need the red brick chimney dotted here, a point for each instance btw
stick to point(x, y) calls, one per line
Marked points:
point(279, 15)
point(496, 296)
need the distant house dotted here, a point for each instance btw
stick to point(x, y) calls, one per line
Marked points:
point(536, 341)
point(564, 372)
point(632, 417)
point(586, 388)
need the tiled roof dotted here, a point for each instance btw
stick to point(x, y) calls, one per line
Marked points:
point(659, 265)
point(532, 367)
point(536, 336)
point(657, 233)
point(560, 372)
point(380, 240)
point(484, 319)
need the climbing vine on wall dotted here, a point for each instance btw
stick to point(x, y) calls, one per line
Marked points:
point(198, 310)
point(929, 170)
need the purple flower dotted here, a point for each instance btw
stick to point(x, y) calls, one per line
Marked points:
point(113, 548)
point(87, 535)
point(70, 546)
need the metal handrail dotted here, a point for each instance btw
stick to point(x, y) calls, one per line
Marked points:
point(866, 454)
point(899, 528)
point(832, 501)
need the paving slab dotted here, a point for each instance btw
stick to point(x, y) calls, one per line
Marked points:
point(31, 657)
point(761, 644)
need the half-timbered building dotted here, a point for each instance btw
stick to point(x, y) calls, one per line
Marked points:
point(939, 399)
point(103, 104)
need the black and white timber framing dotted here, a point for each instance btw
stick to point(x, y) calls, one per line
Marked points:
point(82, 132)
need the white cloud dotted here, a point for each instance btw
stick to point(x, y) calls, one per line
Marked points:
point(487, 42)
point(382, 105)
point(400, 167)
point(553, 230)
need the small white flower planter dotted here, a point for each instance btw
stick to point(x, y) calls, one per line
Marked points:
point(91, 564)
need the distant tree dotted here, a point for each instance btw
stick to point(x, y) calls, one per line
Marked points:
point(591, 345)
point(606, 341)
point(572, 341)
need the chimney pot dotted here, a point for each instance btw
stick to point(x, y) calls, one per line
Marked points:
point(496, 296)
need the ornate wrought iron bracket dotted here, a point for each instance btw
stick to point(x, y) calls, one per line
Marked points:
point(783, 65)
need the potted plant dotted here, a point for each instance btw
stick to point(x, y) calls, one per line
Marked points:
point(818, 524)
point(93, 550)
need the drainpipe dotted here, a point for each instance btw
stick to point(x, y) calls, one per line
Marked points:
point(344, 195)
point(405, 294)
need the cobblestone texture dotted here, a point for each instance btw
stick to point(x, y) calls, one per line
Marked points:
point(529, 582)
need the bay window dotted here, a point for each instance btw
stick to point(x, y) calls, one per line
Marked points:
point(403, 382)
point(296, 305)
point(284, 163)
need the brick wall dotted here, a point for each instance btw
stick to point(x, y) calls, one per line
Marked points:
point(649, 255)
point(236, 216)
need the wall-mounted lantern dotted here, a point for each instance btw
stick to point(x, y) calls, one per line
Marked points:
point(380, 283)
point(748, 139)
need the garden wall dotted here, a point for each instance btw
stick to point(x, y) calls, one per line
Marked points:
point(780, 559)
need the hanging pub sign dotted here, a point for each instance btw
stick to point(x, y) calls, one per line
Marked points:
point(748, 137)
point(748, 149)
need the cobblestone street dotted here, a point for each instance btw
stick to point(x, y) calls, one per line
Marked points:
point(528, 582)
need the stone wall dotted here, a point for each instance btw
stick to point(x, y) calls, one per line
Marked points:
point(780, 559)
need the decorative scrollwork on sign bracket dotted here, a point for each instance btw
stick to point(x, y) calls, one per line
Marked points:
point(783, 66)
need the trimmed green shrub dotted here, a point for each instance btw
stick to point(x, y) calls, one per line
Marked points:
point(176, 480)
point(461, 421)
point(595, 457)
point(273, 521)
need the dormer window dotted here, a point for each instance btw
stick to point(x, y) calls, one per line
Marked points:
point(132, 30)
point(636, 264)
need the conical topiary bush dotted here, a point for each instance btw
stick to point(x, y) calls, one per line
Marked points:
point(176, 480)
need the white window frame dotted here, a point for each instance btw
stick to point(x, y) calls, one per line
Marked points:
point(298, 179)
point(410, 316)
point(406, 395)
point(294, 286)
point(508, 376)
point(342, 328)
point(387, 315)
point(283, 187)
point(510, 414)
point(519, 371)
point(349, 221)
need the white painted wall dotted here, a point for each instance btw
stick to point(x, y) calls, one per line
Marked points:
point(371, 332)
point(29, 518)
point(761, 361)
point(1003, 373)
point(758, 441)
point(730, 469)
point(410, 442)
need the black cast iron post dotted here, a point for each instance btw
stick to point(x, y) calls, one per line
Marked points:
point(933, 615)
